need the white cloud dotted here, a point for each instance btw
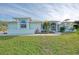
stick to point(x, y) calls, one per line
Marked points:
point(51, 11)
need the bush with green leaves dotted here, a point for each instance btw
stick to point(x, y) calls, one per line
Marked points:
point(76, 27)
point(62, 29)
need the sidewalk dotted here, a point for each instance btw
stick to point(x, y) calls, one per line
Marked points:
point(52, 34)
point(55, 34)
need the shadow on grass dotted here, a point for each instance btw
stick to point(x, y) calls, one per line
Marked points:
point(6, 37)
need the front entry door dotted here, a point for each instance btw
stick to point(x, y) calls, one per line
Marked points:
point(53, 27)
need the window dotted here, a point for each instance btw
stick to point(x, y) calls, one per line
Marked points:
point(23, 25)
point(53, 26)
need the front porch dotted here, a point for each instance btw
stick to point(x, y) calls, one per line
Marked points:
point(49, 27)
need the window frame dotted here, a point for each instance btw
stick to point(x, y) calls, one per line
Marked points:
point(23, 25)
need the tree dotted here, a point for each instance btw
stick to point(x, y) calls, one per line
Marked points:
point(46, 26)
point(3, 26)
point(76, 26)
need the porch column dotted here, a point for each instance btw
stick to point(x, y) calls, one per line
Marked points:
point(18, 24)
point(57, 27)
point(27, 25)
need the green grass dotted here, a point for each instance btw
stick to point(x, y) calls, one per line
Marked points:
point(65, 44)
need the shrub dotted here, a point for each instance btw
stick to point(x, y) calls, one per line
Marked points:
point(62, 29)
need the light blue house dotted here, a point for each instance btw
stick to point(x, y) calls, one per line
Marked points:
point(28, 26)
point(23, 26)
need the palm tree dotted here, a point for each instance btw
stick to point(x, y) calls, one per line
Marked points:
point(46, 26)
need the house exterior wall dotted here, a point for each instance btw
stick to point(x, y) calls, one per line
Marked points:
point(12, 28)
point(15, 28)
point(32, 26)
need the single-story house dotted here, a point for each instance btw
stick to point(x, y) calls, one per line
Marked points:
point(29, 26)
point(68, 25)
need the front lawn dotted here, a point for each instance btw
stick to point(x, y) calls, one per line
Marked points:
point(36, 45)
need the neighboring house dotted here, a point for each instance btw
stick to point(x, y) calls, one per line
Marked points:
point(68, 25)
point(29, 26)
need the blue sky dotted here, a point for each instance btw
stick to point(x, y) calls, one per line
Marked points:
point(51, 11)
